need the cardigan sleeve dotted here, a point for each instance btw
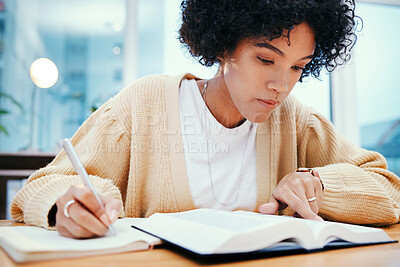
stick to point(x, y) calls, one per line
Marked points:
point(102, 146)
point(358, 186)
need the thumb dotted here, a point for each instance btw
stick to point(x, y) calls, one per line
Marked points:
point(112, 213)
point(112, 208)
point(269, 208)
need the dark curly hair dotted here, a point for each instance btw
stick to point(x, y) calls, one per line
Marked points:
point(212, 27)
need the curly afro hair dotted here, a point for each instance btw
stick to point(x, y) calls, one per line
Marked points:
point(212, 27)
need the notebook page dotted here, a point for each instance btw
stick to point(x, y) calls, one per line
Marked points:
point(35, 239)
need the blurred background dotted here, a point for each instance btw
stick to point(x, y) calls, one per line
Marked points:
point(100, 46)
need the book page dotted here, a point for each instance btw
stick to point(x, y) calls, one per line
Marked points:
point(227, 220)
point(316, 226)
point(327, 231)
point(183, 230)
point(207, 231)
point(351, 233)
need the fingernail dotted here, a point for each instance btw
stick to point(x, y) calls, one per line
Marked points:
point(114, 216)
point(104, 219)
point(261, 209)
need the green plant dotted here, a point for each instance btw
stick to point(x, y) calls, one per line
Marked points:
point(4, 111)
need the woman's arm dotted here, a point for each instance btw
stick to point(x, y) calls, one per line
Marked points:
point(358, 186)
point(104, 149)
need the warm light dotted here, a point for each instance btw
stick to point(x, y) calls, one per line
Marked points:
point(44, 73)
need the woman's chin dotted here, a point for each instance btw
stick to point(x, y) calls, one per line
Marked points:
point(259, 118)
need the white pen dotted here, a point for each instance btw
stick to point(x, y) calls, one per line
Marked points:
point(76, 163)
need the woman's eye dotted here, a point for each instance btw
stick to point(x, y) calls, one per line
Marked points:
point(297, 68)
point(265, 61)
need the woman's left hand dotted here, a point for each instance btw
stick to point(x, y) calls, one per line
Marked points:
point(299, 190)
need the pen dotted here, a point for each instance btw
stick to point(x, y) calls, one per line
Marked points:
point(76, 163)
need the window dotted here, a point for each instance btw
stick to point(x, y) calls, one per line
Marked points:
point(378, 91)
point(79, 36)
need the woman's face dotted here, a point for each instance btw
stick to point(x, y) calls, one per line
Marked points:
point(260, 74)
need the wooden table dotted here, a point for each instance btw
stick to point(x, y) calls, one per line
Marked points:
point(377, 255)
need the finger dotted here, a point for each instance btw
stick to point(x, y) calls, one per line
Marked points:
point(298, 205)
point(67, 227)
point(112, 207)
point(306, 191)
point(319, 196)
point(318, 190)
point(63, 231)
point(269, 208)
point(85, 220)
point(110, 211)
point(77, 231)
point(313, 204)
point(86, 197)
point(113, 215)
point(60, 226)
point(309, 191)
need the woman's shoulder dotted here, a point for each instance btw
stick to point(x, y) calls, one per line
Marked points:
point(157, 84)
point(147, 83)
point(148, 94)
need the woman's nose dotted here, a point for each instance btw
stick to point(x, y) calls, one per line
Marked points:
point(278, 83)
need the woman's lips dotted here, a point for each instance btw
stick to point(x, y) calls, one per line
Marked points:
point(268, 104)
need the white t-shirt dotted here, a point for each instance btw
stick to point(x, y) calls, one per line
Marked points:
point(229, 151)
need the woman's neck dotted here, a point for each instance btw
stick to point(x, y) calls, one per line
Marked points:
point(219, 102)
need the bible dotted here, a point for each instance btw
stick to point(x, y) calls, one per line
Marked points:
point(212, 232)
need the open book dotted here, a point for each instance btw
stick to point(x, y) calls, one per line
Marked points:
point(208, 232)
point(29, 243)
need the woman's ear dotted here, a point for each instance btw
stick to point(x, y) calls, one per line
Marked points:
point(223, 58)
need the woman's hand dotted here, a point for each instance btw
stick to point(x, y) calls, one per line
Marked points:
point(87, 218)
point(301, 191)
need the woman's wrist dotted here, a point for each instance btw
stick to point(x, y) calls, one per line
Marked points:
point(313, 173)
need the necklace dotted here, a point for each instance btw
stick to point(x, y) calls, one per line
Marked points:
point(203, 94)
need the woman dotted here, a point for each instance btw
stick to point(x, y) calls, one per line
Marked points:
point(169, 144)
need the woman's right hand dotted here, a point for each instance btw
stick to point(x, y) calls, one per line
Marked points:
point(87, 217)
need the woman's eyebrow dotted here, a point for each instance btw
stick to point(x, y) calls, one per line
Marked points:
point(277, 50)
point(307, 57)
point(270, 47)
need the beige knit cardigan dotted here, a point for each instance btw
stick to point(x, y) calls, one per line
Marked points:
point(132, 149)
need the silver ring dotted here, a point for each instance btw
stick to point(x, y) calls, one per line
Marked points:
point(69, 203)
point(311, 199)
